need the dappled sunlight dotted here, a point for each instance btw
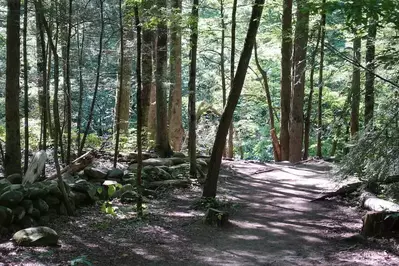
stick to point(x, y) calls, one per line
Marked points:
point(245, 237)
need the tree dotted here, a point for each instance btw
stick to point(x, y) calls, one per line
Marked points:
point(12, 161)
point(370, 78)
point(239, 78)
point(298, 89)
point(162, 146)
point(192, 90)
point(68, 85)
point(285, 93)
point(26, 88)
point(355, 88)
point(176, 131)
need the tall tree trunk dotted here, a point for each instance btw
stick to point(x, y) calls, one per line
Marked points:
point(93, 102)
point(285, 93)
point(81, 85)
point(12, 161)
point(321, 85)
point(354, 123)
point(269, 101)
point(298, 89)
point(210, 186)
point(369, 86)
point(47, 93)
point(192, 136)
point(162, 140)
point(310, 98)
point(68, 86)
point(176, 131)
point(230, 140)
point(120, 89)
point(139, 112)
point(222, 66)
point(26, 88)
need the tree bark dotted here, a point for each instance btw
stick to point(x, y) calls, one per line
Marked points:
point(310, 99)
point(321, 85)
point(12, 161)
point(210, 186)
point(68, 86)
point(285, 93)
point(298, 89)
point(81, 85)
point(26, 88)
point(192, 137)
point(176, 131)
point(162, 146)
point(222, 66)
point(354, 123)
point(370, 78)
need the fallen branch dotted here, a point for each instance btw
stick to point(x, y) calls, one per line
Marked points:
point(346, 189)
point(371, 202)
point(78, 164)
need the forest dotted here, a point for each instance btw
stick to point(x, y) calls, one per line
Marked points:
point(150, 118)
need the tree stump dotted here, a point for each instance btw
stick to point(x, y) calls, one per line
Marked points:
point(214, 216)
point(379, 224)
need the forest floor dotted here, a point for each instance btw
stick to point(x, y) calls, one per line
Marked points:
point(273, 222)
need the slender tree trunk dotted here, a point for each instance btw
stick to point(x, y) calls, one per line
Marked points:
point(268, 99)
point(285, 94)
point(310, 99)
point(47, 93)
point(192, 136)
point(222, 66)
point(210, 186)
point(121, 77)
point(176, 131)
point(12, 161)
point(369, 86)
point(26, 88)
point(139, 112)
point(68, 86)
point(93, 102)
point(321, 85)
point(162, 140)
point(354, 124)
point(230, 142)
point(298, 89)
point(81, 85)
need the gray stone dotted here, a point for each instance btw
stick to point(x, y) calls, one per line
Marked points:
point(53, 188)
point(27, 222)
point(6, 216)
point(178, 160)
point(36, 190)
point(44, 220)
point(4, 183)
point(158, 162)
point(129, 197)
point(19, 213)
point(179, 155)
point(11, 198)
point(52, 200)
point(36, 236)
point(119, 192)
point(86, 187)
point(41, 205)
point(35, 214)
point(68, 178)
point(115, 173)
point(15, 178)
point(28, 205)
point(79, 198)
point(180, 171)
point(95, 173)
point(151, 173)
point(61, 209)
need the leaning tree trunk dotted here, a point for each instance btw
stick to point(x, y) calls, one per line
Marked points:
point(321, 85)
point(210, 186)
point(12, 161)
point(192, 89)
point(354, 123)
point(286, 52)
point(162, 146)
point(369, 86)
point(298, 90)
point(176, 131)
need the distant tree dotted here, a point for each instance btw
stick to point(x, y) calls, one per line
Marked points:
point(370, 78)
point(355, 88)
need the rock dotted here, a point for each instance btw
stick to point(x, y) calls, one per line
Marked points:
point(4, 231)
point(179, 155)
point(36, 236)
point(41, 205)
point(158, 162)
point(52, 200)
point(180, 171)
point(129, 197)
point(19, 213)
point(150, 193)
point(68, 178)
point(35, 214)
point(11, 198)
point(178, 160)
point(53, 188)
point(214, 216)
point(27, 222)
point(6, 216)
point(44, 220)
point(79, 198)
point(85, 187)
point(28, 205)
point(128, 181)
point(4, 183)
point(109, 183)
point(61, 209)
point(179, 183)
point(115, 173)
point(95, 173)
point(151, 173)
point(36, 190)
point(125, 188)
point(15, 178)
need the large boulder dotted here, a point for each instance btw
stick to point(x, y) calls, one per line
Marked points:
point(115, 173)
point(95, 173)
point(4, 183)
point(86, 187)
point(6, 216)
point(11, 198)
point(36, 236)
point(36, 190)
point(53, 188)
point(153, 173)
point(15, 178)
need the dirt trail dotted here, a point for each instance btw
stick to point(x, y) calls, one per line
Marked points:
point(273, 223)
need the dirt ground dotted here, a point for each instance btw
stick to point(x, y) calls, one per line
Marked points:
point(273, 222)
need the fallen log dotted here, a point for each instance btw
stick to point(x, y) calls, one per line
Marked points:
point(78, 164)
point(371, 202)
point(346, 189)
point(178, 183)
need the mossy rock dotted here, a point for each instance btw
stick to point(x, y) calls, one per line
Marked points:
point(19, 213)
point(6, 216)
point(36, 236)
point(15, 178)
point(28, 205)
point(11, 198)
point(41, 205)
